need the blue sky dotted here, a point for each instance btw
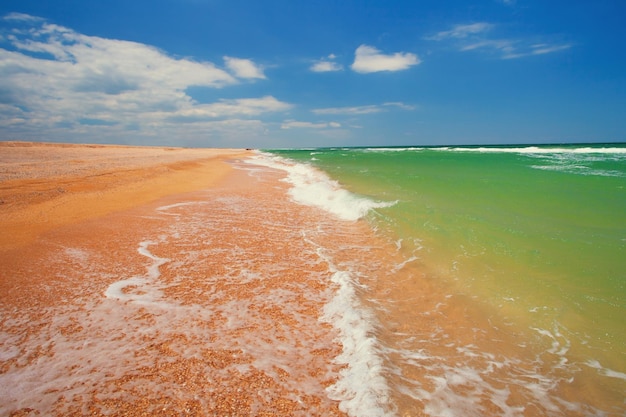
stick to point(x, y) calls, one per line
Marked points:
point(288, 73)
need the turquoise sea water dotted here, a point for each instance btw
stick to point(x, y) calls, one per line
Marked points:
point(530, 239)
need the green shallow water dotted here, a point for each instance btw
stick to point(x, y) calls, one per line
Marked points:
point(539, 233)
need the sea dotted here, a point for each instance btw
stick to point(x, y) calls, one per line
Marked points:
point(496, 286)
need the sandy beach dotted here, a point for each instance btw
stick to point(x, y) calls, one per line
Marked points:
point(224, 282)
point(151, 281)
point(45, 185)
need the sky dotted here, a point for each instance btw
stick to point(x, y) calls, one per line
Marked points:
point(297, 74)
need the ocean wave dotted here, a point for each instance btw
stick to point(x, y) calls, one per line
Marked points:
point(578, 169)
point(362, 388)
point(400, 149)
point(580, 163)
point(537, 150)
point(313, 187)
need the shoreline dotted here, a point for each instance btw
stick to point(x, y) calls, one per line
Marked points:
point(204, 294)
point(235, 283)
point(47, 185)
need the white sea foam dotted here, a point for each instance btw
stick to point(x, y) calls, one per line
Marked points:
point(313, 187)
point(560, 344)
point(145, 289)
point(402, 149)
point(362, 389)
point(571, 160)
point(579, 169)
point(538, 150)
point(605, 371)
point(477, 377)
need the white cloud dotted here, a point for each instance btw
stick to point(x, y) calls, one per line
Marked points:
point(462, 31)
point(291, 124)
point(400, 105)
point(357, 110)
point(21, 17)
point(53, 79)
point(326, 66)
point(543, 48)
point(511, 49)
point(504, 47)
point(243, 68)
point(227, 133)
point(349, 110)
point(237, 107)
point(369, 59)
point(476, 37)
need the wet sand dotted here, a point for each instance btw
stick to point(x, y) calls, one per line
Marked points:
point(155, 281)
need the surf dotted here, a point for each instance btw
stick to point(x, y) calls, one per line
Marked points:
point(494, 243)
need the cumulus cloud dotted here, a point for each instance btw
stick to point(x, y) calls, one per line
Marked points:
point(326, 65)
point(369, 59)
point(243, 68)
point(54, 80)
point(291, 124)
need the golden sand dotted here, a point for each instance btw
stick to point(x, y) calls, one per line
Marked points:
point(71, 220)
point(44, 186)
